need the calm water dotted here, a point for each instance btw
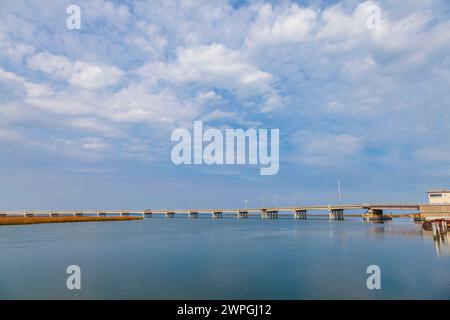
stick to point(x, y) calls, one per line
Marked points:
point(223, 259)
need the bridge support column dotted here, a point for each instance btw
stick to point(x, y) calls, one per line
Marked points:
point(124, 214)
point(54, 214)
point(273, 214)
point(217, 214)
point(264, 214)
point(439, 228)
point(269, 214)
point(78, 214)
point(147, 213)
point(193, 214)
point(300, 214)
point(336, 214)
point(101, 214)
point(242, 214)
point(170, 214)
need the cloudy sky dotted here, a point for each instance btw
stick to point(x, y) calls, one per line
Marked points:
point(86, 115)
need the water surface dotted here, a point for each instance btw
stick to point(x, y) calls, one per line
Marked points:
point(226, 258)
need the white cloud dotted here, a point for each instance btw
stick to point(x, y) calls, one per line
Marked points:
point(95, 145)
point(101, 9)
point(219, 115)
point(31, 89)
point(337, 23)
point(272, 104)
point(64, 103)
point(78, 74)
point(133, 104)
point(136, 104)
point(95, 125)
point(282, 24)
point(212, 65)
point(294, 63)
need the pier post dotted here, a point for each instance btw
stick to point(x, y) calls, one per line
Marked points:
point(273, 214)
point(242, 214)
point(439, 227)
point(124, 214)
point(147, 213)
point(269, 214)
point(193, 214)
point(435, 229)
point(264, 214)
point(217, 214)
point(300, 214)
point(336, 214)
point(170, 214)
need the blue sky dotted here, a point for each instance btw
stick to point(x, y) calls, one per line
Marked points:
point(86, 115)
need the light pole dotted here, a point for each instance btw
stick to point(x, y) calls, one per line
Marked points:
point(245, 203)
point(339, 191)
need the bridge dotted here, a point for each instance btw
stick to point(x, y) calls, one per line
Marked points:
point(334, 212)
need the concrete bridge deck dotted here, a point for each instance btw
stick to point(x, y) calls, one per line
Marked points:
point(297, 211)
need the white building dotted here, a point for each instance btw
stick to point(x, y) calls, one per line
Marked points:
point(439, 196)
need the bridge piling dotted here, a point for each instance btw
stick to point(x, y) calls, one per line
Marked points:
point(217, 214)
point(147, 213)
point(273, 214)
point(193, 214)
point(300, 214)
point(336, 214)
point(170, 214)
point(242, 214)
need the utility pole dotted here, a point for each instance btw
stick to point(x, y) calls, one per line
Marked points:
point(339, 191)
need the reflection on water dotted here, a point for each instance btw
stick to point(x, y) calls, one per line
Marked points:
point(442, 245)
point(224, 259)
point(441, 241)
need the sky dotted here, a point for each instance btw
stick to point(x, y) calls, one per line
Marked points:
point(86, 115)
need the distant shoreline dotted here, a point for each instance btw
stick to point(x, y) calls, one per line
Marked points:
point(39, 220)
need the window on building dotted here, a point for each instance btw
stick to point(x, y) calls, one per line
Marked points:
point(436, 195)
